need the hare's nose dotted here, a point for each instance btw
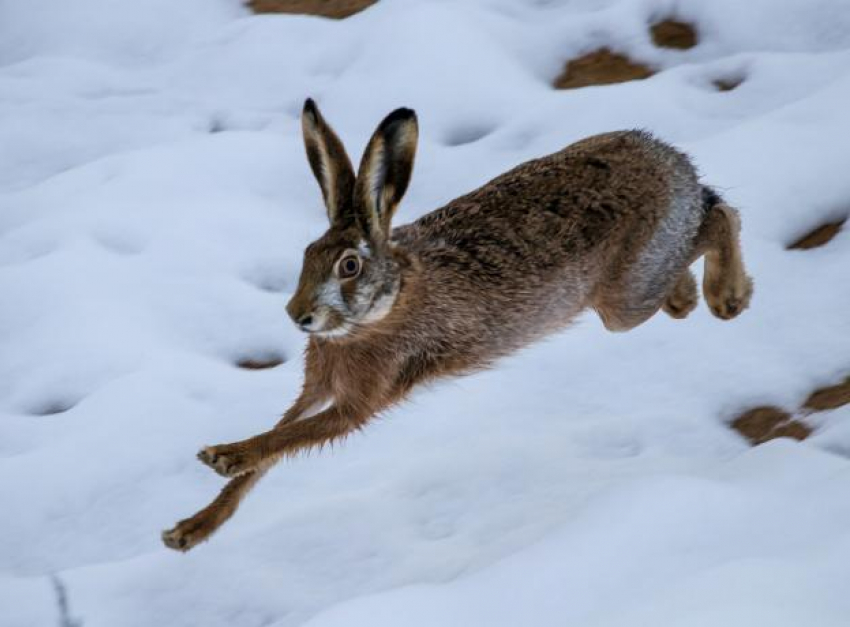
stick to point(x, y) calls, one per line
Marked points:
point(303, 319)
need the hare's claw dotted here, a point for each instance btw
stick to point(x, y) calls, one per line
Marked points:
point(187, 534)
point(683, 298)
point(730, 299)
point(227, 460)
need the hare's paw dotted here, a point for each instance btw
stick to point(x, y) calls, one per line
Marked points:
point(683, 298)
point(679, 308)
point(728, 298)
point(228, 460)
point(188, 533)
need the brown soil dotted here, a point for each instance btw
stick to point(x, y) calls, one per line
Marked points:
point(337, 9)
point(818, 237)
point(727, 84)
point(829, 397)
point(674, 34)
point(761, 424)
point(601, 67)
point(260, 363)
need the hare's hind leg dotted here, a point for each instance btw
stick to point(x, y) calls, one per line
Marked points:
point(621, 308)
point(683, 298)
point(726, 286)
point(629, 302)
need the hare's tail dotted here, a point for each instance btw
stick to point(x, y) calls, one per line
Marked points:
point(710, 199)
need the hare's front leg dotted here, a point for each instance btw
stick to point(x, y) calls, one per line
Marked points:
point(262, 451)
point(192, 531)
point(308, 402)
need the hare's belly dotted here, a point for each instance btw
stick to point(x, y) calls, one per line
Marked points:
point(667, 254)
point(547, 308)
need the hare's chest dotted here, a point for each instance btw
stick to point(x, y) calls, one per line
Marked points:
point(355, 373)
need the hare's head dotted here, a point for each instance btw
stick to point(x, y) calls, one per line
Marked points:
point(352, 274)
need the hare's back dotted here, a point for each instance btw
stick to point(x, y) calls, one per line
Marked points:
point(565, 205)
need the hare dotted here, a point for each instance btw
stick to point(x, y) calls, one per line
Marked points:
point(610, 223)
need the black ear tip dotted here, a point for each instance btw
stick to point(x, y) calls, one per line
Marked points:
point(310, 108)
point(399, 115)
point(404, 112)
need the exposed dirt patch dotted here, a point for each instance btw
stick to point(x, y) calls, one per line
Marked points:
point(762, 424)
point(818, 237)
point(674, 34)
point(830, 397)
point(606, 67)
point(260, 362)
point(336, 9)
point(601, 67)
point(727, 84)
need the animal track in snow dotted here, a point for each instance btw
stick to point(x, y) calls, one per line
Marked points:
point(728, 83)
point(124, 243)
point(467, 134)
point(53, 407)
point(269, 277)
point(261, 361)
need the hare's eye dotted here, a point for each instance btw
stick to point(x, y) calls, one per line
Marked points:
point(348, 267)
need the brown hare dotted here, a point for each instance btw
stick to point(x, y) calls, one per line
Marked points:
point(611, 223)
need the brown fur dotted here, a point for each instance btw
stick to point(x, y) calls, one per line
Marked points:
point(611, 223)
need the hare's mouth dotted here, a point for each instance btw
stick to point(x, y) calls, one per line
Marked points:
point(338, 331)
point(326, 323)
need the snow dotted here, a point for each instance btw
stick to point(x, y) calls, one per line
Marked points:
point(154, 205)
point(762, 548)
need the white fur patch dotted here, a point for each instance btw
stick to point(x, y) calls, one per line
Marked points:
point(376, 177)
point(343, 329)
point(380, 308)
point(320, 318)
point(314, 409)
point(329, 294)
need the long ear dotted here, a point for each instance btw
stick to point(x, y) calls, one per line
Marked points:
point(385, 171)
point(330, 164)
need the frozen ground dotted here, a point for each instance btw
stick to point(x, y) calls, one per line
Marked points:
point(154, 205)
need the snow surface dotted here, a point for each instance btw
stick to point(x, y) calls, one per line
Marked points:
point(154, 205)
